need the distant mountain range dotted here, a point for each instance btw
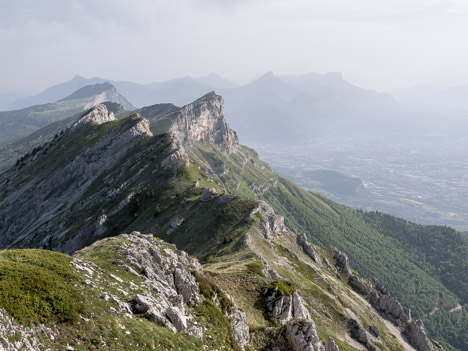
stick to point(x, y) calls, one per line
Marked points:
point(179, 91)
point(294, 108)
point(287, 108)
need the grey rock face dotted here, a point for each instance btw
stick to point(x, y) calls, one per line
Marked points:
point(177, 318)
point(204, 121)
point(330, 345)
point(38, 206)
point(390, 308)
point(270, 223)
point(177, 155)
point(358, 333)
point(208, 194)
point(142, 303)
point(246, 239)
point(309, 251)
point(171, 287)
point(416, 334)
point(286, 308)
point(31, 338)
point(97, 115)
point(374, 331)
point(342, 262)
point(302, 336)
point(358, 286)
point(186, 286)
point(174, 224)
point(239, 326)
point(299, 311)
point(168, 274)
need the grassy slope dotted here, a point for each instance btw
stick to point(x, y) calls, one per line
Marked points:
point(20, 123)
point(10, 152)
point(51, 290)
point(372, 251)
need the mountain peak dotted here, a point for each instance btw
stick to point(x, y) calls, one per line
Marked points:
point(203, 120)
point(268, 75)
point(78, 77)
point(90, 90)
point(99, 93)
point(96, 115)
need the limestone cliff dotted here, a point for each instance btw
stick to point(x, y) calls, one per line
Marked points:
point(203, 120)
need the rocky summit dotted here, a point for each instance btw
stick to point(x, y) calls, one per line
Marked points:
point(207, 262)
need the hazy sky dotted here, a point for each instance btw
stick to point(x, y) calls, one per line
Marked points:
point(382, 45)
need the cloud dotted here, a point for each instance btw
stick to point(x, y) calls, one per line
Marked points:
point(377, 44)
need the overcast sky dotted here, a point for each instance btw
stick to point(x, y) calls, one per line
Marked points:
point(383, 45)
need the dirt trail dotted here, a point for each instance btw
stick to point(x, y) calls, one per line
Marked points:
point(436, 307)
point(456, 308)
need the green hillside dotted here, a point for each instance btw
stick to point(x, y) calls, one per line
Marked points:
point(373, 250)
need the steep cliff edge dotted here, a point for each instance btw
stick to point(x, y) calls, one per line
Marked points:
point(203, 120)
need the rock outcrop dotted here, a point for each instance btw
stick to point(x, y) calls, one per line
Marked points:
point(399, 315)
point(270, 224)
point(390, 308)
point(342, 262)
point(239, 326)
point(330, 345)
point(374, 330)
point(302, 336)
point(358, 333)
point(16, 337)
point(308, 250)
point(96, 115)
point(285, 308)
point(208, 194)
point(169, 288)
point(203, 120)
point(358, 285)
point(165, 271)
point(417, 337)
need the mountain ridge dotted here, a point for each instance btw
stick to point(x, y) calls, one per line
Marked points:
point(20, 123)
point(101, 92)
point(181, 190)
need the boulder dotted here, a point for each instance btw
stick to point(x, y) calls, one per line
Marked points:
point(208, 194)
point(142, 303)
point(177, 318)
point(342, 262)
